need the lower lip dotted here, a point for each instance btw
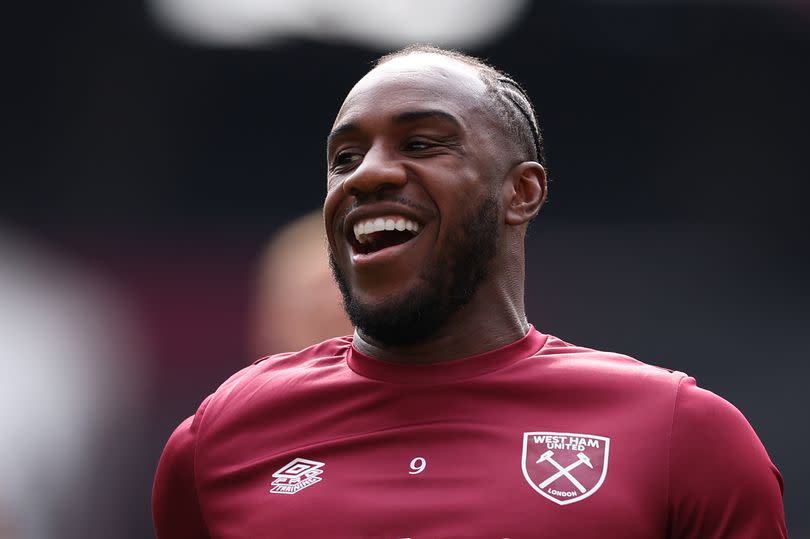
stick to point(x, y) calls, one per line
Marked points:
point(383, 255)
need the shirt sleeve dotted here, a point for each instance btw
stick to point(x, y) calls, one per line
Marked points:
point(722, 482)
point(175, 505)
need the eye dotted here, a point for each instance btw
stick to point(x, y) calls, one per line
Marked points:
point(344, 159)
point(418, 145)
point(430, 145)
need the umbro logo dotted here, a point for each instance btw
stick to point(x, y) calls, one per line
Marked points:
point(296, 475)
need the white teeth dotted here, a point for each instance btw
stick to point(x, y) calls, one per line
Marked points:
point(363, 228)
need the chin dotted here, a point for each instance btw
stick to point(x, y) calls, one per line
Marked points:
point(397, 317)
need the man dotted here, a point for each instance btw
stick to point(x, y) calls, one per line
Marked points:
point(447, 414)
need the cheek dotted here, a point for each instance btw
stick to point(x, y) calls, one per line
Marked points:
point(457, 199)
point(331, 206)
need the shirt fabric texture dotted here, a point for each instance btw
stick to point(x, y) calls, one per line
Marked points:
point(536, 439)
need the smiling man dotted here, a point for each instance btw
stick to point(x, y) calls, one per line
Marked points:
point(447, 414)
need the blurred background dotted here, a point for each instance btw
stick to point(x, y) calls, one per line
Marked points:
point(151, 150)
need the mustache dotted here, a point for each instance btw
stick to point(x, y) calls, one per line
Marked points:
point(372, 198)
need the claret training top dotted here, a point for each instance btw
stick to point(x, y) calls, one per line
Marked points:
point(538, 439)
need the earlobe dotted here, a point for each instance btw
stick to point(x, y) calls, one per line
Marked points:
point(525, 192)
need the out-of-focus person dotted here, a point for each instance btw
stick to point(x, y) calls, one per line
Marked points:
point(297, 302)
point(69, 398)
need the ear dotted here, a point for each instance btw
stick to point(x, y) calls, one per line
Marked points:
point(524, 191)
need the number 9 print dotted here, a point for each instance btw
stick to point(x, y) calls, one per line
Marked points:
point(418, 465)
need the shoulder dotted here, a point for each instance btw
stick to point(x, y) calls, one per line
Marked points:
point(175, 505)
point(273, 374)
point(722, 481)
point(607, 369)
point(265, 378)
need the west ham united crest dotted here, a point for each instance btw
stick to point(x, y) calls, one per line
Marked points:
point(563, 466)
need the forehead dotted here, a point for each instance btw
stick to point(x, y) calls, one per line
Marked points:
point(417, 81)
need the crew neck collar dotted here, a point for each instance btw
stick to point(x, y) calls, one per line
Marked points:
point(446, 371)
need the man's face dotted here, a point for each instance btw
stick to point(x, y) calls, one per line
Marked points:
point(413, 152)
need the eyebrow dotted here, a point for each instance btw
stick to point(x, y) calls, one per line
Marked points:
point(402, 118)
point(416, 115)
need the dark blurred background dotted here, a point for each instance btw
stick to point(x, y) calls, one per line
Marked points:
point(152, 148)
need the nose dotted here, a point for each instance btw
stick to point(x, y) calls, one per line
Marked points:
point(378, 170)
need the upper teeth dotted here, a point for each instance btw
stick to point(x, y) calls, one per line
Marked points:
point(383, 223)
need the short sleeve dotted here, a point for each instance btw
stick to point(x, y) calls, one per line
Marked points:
point(175, 505)
point(722, 482)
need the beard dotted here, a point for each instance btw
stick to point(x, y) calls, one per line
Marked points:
point(446, 285)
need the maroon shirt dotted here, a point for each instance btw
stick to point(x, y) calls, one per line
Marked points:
point(536, 439)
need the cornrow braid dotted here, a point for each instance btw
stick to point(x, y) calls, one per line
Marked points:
point(523, 104)
point(510, 99)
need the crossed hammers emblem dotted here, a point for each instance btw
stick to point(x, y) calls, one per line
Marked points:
point(582, 458)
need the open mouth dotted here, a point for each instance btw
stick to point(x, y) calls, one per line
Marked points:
point(376, 234)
